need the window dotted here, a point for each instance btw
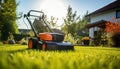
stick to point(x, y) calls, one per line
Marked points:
point(118, 14)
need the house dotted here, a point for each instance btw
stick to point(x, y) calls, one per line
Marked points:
point(98, 18)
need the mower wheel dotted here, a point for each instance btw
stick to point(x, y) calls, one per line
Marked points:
point(32, 43)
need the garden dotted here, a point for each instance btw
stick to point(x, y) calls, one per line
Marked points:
point(100, 52)
point(20, 57)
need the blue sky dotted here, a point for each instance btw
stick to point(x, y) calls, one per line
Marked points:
point(57, 8)
point(81, 6)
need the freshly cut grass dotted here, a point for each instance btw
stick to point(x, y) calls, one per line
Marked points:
point(20, 57)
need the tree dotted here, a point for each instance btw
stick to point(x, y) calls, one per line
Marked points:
point(70, 22)
point(73, 23)
point(52, 22)
point(8, 18)
point(112, 27)
point(113, 31)
point(81, 24)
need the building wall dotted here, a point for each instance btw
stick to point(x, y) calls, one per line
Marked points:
point(101, 16)
point(105, 16)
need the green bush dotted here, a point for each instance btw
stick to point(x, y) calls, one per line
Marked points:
point(70, 38)
point(24, 43)
point(1, 43)
point(18, 37)
point(114, 40)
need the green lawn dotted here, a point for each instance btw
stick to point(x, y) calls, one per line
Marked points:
point(20, 57)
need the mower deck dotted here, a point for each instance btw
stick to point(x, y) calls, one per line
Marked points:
point(59, 46)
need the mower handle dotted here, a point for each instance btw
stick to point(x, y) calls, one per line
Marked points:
point(40, 17)
point(29, 13)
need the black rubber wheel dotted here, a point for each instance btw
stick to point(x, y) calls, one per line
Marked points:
point(32, 43)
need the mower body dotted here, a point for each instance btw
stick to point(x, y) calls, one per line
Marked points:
point(46, 40)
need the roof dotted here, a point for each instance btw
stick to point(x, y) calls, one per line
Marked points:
point(108, 7)
point(24, 30)
point(101, 24)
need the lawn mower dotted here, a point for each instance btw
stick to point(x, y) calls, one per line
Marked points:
point(45, 40)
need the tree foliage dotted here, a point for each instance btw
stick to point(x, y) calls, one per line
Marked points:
point(8, 18)
point(113, 27)
point(113, 30)
point(53, 22)
point(70, 21)
point(73, 23)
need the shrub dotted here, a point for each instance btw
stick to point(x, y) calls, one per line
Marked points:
point(113, 29)
point(18, 37)
point(24, 43)
point(116, 39)
point(86, 40)
point(70, 38)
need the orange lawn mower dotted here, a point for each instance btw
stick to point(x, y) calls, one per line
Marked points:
point(46, 41)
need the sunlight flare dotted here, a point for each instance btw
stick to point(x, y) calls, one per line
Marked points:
point(55, 8)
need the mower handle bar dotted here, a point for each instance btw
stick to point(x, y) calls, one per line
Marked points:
point(27, 17)
point(29, 13)
point(40, 17)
